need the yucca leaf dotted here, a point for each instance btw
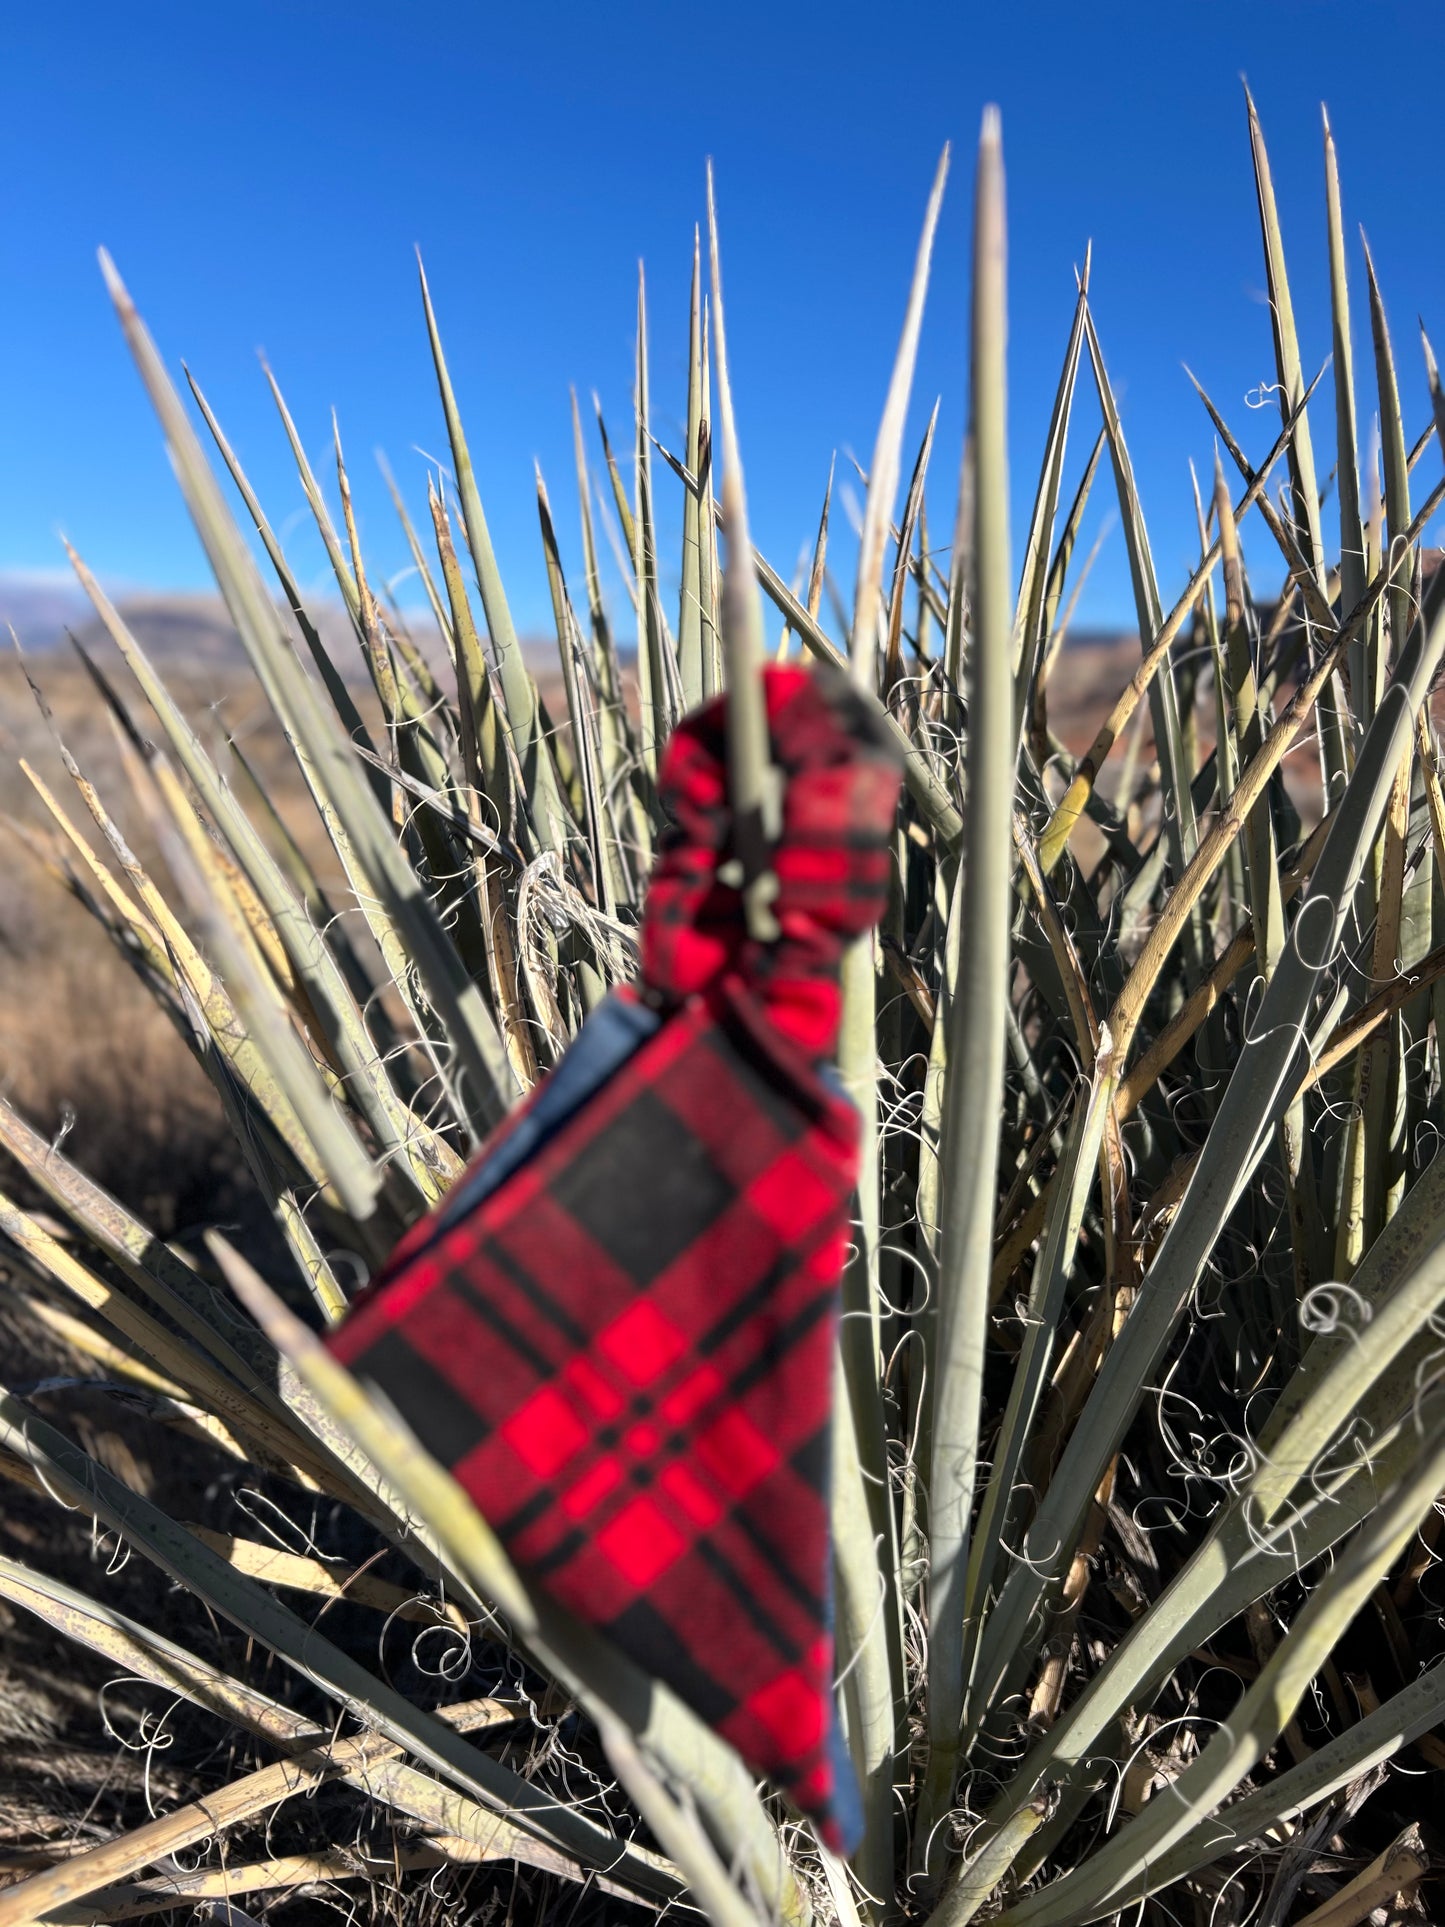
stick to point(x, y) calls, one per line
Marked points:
point(1392, 443)
point(1030, 627)
point(709, 576)
point(819, 566)
point(316, 502)
point(656, 658)
point(1437, 393)
point(692, 617)
point(1075, 1174)
point(858, 1061)
point(754, 797)
point(335, 685)
point(967, 1156)
point(1289, 372)
point(518, 691)
point(1180, 826)
point(1053, 628)
point(149, 1655)
point(904, 565)
point(619, 493)
point(441, 615)
point(883, 474)
point(677, 1829)
point(1347, 472)
point(1380, 1124)
point(584, 732)
point(620, 761)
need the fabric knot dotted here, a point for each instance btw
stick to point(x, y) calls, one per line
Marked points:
point(841, 775)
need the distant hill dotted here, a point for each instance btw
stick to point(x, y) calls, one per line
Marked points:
point(38, 606)
point(184, 628)
point(1099, 638)
point(170, 625)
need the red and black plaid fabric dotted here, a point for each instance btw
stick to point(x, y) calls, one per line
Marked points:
point(617, 1331)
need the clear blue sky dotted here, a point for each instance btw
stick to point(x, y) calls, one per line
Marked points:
point(261, 172)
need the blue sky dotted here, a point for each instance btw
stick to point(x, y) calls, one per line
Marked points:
point(261, 173)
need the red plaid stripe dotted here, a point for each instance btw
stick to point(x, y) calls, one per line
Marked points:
point(624, 1352)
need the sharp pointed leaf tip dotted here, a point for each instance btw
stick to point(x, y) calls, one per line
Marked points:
point(257, 1297)
point(115, 287)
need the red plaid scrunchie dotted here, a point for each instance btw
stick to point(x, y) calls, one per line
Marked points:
point(841, 778)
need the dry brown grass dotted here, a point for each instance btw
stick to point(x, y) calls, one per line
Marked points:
point(84, 1050)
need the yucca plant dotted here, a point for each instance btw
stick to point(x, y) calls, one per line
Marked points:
point(1137, 1429)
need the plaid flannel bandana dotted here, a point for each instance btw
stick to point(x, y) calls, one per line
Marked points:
point(617, 1329)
